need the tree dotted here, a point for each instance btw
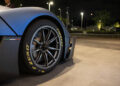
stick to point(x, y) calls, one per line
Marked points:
point(64, 20)
point(103, 17)
point(16, 2)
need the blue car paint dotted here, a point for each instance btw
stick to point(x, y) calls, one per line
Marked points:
point(20, 18)
point(5, 30)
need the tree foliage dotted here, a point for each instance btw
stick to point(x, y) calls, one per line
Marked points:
point(103, 16)
point(16, 3)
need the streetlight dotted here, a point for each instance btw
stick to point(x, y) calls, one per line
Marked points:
point(49, 4)
point(91, 14)
point(82, 15)
point(72, 22)
point(21, 5)
point(60, 13)
point(68, 18)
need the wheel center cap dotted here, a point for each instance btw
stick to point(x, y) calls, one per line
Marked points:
point(44, 47)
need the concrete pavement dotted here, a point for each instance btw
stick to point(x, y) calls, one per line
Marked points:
point(96, 62)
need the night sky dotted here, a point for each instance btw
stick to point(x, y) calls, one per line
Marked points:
point(75, 6)
point(89, 6)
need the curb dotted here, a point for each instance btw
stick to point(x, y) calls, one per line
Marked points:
point(77, 35)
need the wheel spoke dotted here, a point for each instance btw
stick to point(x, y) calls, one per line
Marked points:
point(43, 36)
point(39, 58)
point(46, 59)
point(45, 47)
point(52, 40)
point(52, 48)
point(39, 35)
point(48, 35)
point(50, 54)
point(37, 41)
point(36, 50)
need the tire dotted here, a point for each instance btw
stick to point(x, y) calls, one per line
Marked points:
point(41, 47)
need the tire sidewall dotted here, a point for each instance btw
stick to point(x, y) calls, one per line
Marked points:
point(29, 63)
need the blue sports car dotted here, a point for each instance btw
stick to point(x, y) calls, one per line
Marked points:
point(32, 40)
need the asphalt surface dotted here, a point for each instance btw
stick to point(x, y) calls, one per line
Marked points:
point(96, 62)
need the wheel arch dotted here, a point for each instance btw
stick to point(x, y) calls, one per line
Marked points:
point(47, 18)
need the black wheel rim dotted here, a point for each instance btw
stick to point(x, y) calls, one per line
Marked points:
point(45, 47)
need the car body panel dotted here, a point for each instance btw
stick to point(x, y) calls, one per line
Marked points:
point(5, 30)
point(9, 51)
point(20, 18)
point(14, 22)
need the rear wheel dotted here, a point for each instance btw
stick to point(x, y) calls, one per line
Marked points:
point(41, 47)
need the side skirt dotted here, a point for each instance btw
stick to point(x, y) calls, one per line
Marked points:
point(9, 51)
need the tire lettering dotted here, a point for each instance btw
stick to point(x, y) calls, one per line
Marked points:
point(34, 68)
point(42, 71)
point(28, 55)
point(60, 37)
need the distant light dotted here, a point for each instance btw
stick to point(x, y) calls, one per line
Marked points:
point(82, 13)
point(59, 9)
point(99, 25)
point(117, 25)
point(82, 17)
point(91, 14)
point(51, 2)
point(21, 5)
